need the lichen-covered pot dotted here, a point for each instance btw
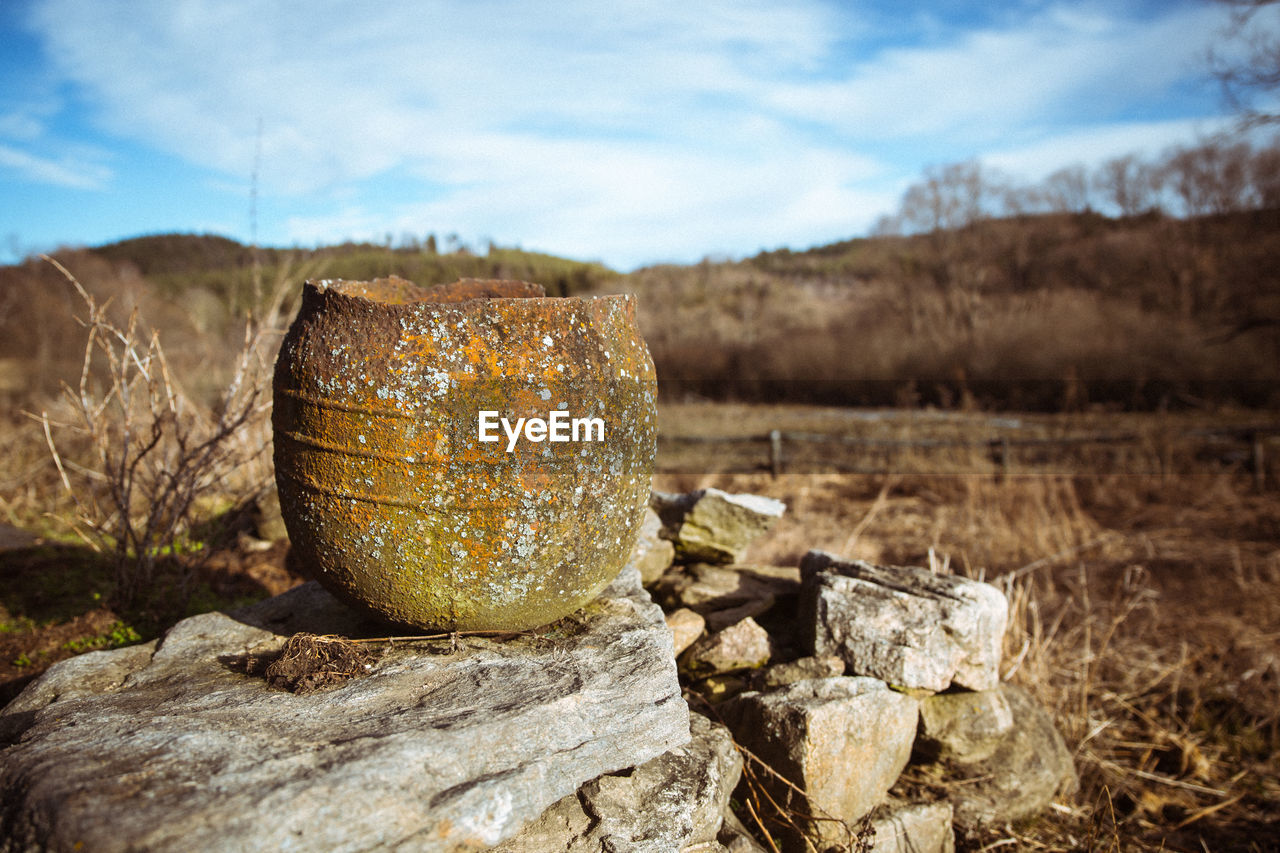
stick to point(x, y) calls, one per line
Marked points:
point(404, 491)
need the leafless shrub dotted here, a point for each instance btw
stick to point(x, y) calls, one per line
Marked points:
point(149, 453)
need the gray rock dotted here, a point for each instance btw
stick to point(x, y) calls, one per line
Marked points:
point(712, 526)
point(1029, 768)
point(913, 828)
point(736, 838)
point(963, 727)
point(174, 747)
point(782, 674)
point(843, 741)
point(907, 626)
point(671, 802)
point(726, 594)
point(707, 588)
point(652, 554)
point(686, 626)
point(743, 645)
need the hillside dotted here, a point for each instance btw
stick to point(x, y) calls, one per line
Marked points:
point(194, 290)
point(1047, 312)
point(1058, 311)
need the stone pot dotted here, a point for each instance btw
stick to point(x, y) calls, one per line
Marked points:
point(403, 490)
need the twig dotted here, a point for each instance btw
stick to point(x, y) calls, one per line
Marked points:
point(767, 837)
point(1053, 558)
point(53, 450)
point(1208, 810)
point(1003, 842)
point(1164, 780)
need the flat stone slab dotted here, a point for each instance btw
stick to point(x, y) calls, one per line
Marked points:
point(172, 746)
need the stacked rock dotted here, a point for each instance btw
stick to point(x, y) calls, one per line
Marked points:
point(839, 673)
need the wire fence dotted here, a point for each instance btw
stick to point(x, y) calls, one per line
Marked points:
point(1255, 448)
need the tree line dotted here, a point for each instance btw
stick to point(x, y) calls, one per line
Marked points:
point(1216, 176)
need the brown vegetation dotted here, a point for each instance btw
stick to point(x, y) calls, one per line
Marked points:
point(1146, 604)
point(981, 291)
point(1145, 612)
point(1046, 313)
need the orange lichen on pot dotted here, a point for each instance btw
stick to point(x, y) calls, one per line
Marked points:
point(397, 496)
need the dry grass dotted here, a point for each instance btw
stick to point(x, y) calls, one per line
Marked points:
point(1145, 611)
point(1146, 606)
point(141, 459)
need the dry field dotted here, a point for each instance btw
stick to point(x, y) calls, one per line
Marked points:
point(1144, 577)
point(1146, 605)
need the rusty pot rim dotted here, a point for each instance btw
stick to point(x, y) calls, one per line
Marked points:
point(339, 287)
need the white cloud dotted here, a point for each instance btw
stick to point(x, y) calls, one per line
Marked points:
point(1092, 145)
point(989, 83)
point(21, 125)
point(625, 130)
point(66, 172)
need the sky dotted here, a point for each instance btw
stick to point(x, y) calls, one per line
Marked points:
point(630, 132)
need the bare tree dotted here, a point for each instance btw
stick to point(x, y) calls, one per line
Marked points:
point(152, 451)
point(1129, 183)
point(951, 196)
point(1264, 175)
point(1212, 177)
point(1067, 190)
point(1247, 59)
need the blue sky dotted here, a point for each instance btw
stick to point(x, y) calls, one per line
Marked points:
point(631, 132)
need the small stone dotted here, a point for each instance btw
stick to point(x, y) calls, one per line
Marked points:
point(670, 803)
point(913, 828)
point(964, 726)
point(907, 626)
point(686, 626)
point(652, 554)
point(1028, 769)
point(782, 674)
point(843, 741)
point(713, 526)
point(743, 645)
point(736, 838)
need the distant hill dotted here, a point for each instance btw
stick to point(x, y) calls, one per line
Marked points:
point(169, 254)
point(1052, 311)
point(1038, 312)
point(176, 263)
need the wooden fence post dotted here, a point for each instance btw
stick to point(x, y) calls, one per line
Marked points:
point(775, 452)
point(1259, 463)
